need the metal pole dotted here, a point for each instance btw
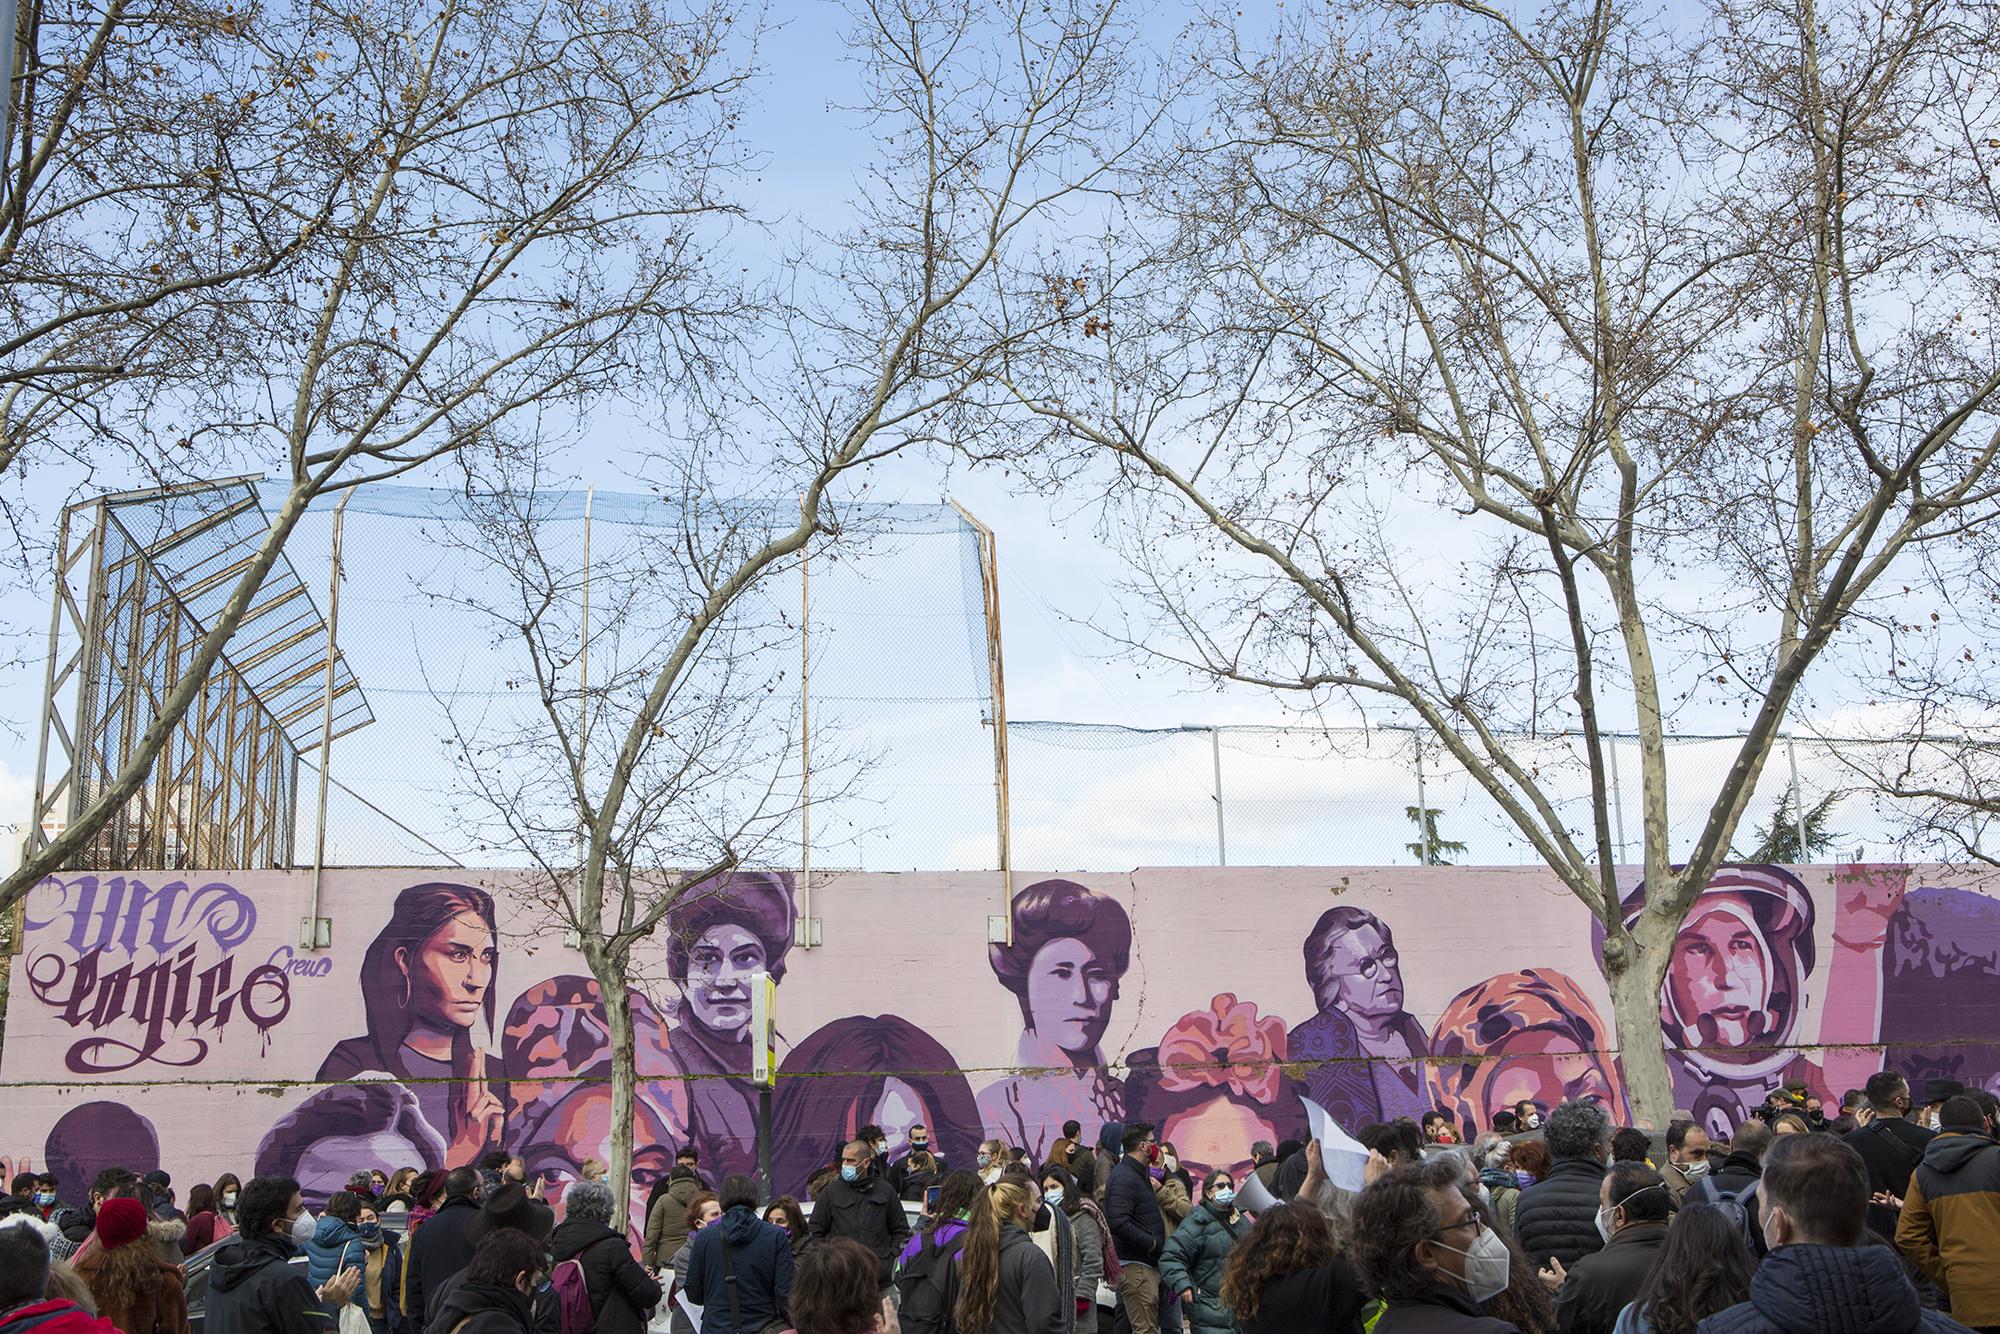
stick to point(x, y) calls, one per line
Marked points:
point(1423, 805)
point(36, 839)
point(804, 936)
point(1617, 795)
point(764, 1141)
point(9, 35)
point(1215, 749)
point(996, 671)
point(583, 652)
point(1798, 802)
point(309, 935)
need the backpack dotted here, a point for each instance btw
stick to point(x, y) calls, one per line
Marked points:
point(1740, 1206)
point(929, 1282)
point(579, 1314)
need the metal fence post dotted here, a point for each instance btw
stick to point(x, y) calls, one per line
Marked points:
point(1798, 802)
point(1423, 805)
point(1617, 795)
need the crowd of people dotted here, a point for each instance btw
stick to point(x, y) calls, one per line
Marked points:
point(1882, 1219)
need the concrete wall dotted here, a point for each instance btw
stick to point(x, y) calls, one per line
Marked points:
point(167, 1021)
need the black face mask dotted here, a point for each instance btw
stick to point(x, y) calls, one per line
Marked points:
point(1042, 1219)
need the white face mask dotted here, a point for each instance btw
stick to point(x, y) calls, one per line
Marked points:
point(1695, 1171)
point(1604, 1223)
point(1534, 1121)
point(1486, 1265)
point(303, 1227)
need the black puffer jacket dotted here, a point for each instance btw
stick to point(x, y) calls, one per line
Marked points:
point(621, 1292)
point(1557, 1216)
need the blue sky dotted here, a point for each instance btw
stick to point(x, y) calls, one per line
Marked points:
point(1104, 807)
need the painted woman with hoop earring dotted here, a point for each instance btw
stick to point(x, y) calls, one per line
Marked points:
point(427, 988)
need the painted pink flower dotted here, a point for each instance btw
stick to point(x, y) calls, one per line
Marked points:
point(1226, 1047)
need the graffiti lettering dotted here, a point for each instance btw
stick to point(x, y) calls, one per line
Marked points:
point(164, 998)
point(284, 960)
point(125, 913)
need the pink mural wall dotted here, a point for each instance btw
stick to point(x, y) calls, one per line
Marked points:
point(160, 1020)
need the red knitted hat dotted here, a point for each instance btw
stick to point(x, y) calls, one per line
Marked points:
point(120, 1221)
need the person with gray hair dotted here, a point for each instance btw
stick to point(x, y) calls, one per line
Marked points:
point(1556, 1219)
point(621, 1292)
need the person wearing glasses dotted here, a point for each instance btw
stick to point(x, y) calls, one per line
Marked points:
point(1357, 982)
point(1420, 1246)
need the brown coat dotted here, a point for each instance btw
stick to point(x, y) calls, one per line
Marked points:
point(160, 1310)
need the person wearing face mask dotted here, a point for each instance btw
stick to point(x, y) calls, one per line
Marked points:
point(1820, 1275)
point(253, 1287)
point(862, 1205)
point(1890, 1145)
point(1527, 1115)
point(1005, 1283)
point(990, 1161)
point(498, 1291)
point(1050, 1228)
point(1194, 1259)
point(510, 1207)
point(919, 1169)
point(1419, 1245)
point(1632, 1214)
point(701, 1210)
point(334, 1245)
point(1138, 1227)
point(227, 1189)
point(205, 1224)
point(1687, 1158)
point(381, 1273)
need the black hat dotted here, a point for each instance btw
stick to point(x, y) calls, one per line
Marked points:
point(1937, 1090)
point(156, 1179)
point(510, 1206)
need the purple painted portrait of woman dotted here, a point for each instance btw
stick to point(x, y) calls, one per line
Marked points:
point(1071, 948)
point(427, 987)
point(719, 936)
point(859, 1071)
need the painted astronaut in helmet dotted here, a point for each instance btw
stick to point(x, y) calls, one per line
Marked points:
point(1735, 992)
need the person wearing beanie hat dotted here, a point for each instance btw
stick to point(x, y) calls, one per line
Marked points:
point(136, 1290)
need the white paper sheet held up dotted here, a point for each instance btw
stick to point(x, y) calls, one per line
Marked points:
point(1344, 1157)
point(693, 1311)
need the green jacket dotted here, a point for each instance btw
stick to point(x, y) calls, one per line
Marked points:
point(1195, 1257)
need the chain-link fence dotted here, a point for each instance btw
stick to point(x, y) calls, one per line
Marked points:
point(865, 672)
point(875, 649)
point(1105, 797)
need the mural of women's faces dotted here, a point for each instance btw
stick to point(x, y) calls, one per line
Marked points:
point(721, 963)
point(1216, 1085)
point(1721, 974)
point(1531, 1036)
point(1071, 947)
point(428, 984)
point(1070, 991)
point(719, 935)
point(448, 977)
point(882, 1071)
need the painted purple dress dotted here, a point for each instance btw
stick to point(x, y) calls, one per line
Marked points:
point(1028, 1110)
point(1355, 1087)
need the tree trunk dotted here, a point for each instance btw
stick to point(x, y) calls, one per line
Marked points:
point(1636, 972)
point(611, 970)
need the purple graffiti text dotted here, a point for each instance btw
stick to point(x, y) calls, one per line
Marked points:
point(122, 913)
point(168, 999)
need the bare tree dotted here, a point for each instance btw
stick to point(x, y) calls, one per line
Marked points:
point(489, 212)
point(1507, 372)
point(886, 337)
